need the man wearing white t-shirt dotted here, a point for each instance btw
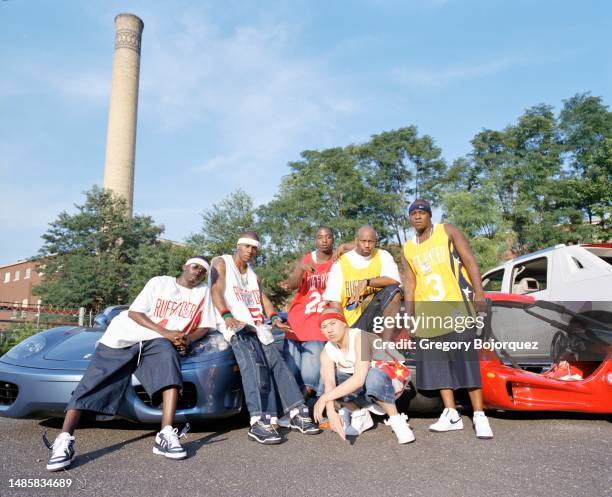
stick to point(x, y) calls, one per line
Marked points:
point(144, 340)
point(364, 283)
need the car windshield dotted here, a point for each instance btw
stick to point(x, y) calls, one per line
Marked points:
point(114, 312)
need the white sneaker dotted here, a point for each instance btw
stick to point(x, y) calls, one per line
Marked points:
point(401, 428)
point(361, 420)
point(167, 443)
point(481, 425)
point(449, 420)
point(345, 415)
point(62, 451)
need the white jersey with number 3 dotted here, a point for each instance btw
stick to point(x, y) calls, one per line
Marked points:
point(242, 296)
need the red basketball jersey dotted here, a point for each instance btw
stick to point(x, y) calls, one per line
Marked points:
point(308, 302)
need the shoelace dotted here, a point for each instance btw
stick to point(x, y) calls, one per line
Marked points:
point(173, 439)
point(59, 447)
point(174, 436)
point(268, 427)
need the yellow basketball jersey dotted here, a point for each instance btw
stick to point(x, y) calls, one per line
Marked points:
point(351, 277)
point(440, 276)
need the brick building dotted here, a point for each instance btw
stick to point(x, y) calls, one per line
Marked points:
point(17, 281)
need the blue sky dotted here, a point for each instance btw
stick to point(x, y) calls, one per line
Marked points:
point(233, 90)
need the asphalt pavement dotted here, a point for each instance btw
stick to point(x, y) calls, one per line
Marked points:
point(531, 455)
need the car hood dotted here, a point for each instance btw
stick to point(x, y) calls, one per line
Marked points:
point(67, 348)
point(71, 348)
point(76, 347)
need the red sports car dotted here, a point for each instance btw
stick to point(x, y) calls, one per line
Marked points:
point(574, 374)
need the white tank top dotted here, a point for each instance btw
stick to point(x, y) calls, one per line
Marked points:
point(344, 362)
point(242, 296)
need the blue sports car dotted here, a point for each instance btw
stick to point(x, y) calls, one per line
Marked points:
point(38, 376)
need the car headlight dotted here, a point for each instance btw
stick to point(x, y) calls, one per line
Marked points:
point(28, 347)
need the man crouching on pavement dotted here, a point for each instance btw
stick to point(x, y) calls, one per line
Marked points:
point(144, 340)
point(350, 373)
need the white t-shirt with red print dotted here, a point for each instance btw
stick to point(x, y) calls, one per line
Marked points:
point(166, 303)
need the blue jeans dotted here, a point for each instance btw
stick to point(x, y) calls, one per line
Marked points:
point(264, 375)
point(304, 361)
point(378, 387)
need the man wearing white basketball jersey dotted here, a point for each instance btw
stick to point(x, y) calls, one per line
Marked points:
point(240, 305)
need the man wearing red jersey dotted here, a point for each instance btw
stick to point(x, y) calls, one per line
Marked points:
point(305, 342)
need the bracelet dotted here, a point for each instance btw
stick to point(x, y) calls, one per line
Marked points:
point(227, 314)
point(274, 316)
point(368, 282)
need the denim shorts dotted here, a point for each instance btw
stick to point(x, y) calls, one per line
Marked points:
point(108, 376)
point(378, 387)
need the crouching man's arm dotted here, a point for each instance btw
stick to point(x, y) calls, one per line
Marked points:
point(328, 375)
point(358, 379)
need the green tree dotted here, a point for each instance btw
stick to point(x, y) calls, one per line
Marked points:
point(586, 126)
point(222, 223)
point(521, 167)
point(479, 217)
point(400, 166)
point(161, 258)
point(324, 188)
point(86, 257)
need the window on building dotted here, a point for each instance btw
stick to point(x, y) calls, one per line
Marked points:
point(7, 277)
point(17, 275)
point(27, 273)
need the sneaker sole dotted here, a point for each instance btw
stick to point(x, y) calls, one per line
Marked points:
point(274, 441)
point(449, 429)
point(168, 454)
point(59, 465)
point(312, 431)
point(407, 441)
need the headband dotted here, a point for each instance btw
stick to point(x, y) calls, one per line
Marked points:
point(200, 262)
point(247, 241)
point(332, 315)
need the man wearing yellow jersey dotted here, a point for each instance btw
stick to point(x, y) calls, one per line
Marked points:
point(364, 283)
point(440, 267)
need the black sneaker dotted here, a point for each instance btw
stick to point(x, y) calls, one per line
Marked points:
point(263, 431)
point(167, 443)
point(62, 451)
point(303, 423)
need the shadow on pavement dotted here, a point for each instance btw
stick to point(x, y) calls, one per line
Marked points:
point(88, 457)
